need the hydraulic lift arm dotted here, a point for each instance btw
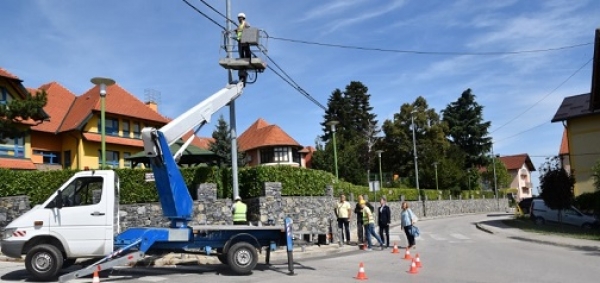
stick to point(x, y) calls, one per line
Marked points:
point(172, 191)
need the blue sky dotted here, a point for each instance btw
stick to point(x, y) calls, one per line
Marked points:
point(169, 48)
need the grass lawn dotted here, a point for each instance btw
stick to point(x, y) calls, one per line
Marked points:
point(527, 225)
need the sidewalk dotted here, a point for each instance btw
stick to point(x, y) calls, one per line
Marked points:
point(497, 227)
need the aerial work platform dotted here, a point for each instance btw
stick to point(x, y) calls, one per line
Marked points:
point(243, 63)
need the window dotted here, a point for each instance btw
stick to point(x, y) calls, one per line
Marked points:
point(112, 159)
point(266, 155)
point(3, 96)
point(67, 159)
point(274, 155)
point(49, 157)
point(281, 154)
point(112, 126)
point(13, 147)
point(296, 156)
point(126, 128)
point(136, 130)
point(82, 191)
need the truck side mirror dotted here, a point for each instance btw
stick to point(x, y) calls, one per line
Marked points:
point(58, 201)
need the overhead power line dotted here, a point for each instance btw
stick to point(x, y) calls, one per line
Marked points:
point(544, 97)
point(203, 14)
point(490, 53)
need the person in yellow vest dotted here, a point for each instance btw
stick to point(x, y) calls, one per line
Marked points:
point(238, 210)
point(369, 223)
point(243, 48)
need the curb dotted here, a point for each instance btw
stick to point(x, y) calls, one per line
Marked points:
point(480, 227)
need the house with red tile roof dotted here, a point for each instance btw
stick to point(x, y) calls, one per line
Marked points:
point(519, 167)
point(71, 138)
point(580, 114)
point(266, 144)
point(15, 152)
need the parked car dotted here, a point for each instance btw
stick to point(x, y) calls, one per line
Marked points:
point(541, 213)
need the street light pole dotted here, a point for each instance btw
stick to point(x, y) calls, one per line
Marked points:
point(495, 178)
point(102, 83)
point(380, 173)
point(332, 124)
point(412, 118)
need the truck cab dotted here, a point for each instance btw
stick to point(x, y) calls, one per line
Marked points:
point(80, 219)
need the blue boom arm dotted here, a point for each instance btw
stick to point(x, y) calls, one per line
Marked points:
point(173, 193)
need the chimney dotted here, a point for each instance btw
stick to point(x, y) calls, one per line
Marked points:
point(152, 105)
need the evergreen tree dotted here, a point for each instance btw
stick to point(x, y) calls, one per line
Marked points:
point(351, 108)
point(16, 111)
point(467, 130)
point(221, 145)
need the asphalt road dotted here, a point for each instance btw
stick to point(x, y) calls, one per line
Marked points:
point(450, 249)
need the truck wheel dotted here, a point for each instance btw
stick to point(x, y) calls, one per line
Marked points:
point(43, 262)
point(242, 258)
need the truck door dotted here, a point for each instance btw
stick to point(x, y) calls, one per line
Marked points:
point(83, 220)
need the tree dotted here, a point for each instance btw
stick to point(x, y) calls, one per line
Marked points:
point(18, 113)
point(430, 141)
point(556, 185)
point(466, 128)
point(221, 145)
point(502, 175)
point(351, 108)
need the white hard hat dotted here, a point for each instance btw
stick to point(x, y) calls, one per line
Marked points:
point(241, 15)
point(238, 198)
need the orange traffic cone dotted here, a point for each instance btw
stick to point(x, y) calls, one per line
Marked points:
point(418, 261)
point(413, 268)
point(96, 278)
point(407, 254)
point(361, 272)
point(395, 250)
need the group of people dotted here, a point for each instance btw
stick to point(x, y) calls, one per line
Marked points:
point(365, 221)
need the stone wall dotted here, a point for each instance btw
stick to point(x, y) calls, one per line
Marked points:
point(11, 208)
point(311, 214)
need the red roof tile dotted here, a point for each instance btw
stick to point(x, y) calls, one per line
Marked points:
point(118, 101)
point(17, 163)
point(59, 102)
point(515, 162)
point(262, 134)
point(6, 74)
point(113, 140)
point(564, 144)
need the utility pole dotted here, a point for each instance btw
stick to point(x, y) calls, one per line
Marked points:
point(232, 124)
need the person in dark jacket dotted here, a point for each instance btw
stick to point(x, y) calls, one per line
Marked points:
point(359, 218)
point(384, 216)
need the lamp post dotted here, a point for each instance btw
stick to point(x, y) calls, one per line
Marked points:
point(332, 124)
point(495, 177)
point(436, 177)
point(412, 118)
point(380, 173)
point(102, 83)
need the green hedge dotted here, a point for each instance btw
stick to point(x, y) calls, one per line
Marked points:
point(38, 185)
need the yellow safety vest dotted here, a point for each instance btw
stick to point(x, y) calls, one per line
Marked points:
point(367, 216)
point(240, 29)
point(239, 214)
